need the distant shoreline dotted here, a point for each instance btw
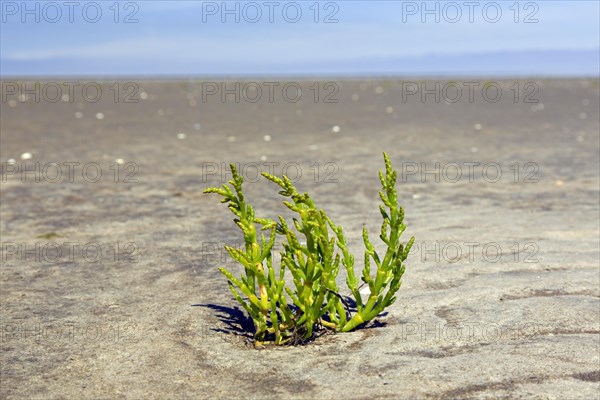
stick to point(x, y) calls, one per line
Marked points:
point(307, 77)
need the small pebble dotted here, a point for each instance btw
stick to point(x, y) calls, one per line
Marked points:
point(143, 95)
point(474, 149)
point(477, 127)
point(12, 103)
point(231, 139)
point(389, 109)
point(12, 161)
point(65, 98)
point(263, 158)
point(99, 116)
point(181, 136)
point(416, 196)
point(379, 90)
point(559, 183)
point(336, 129)
point(267, 138)
point(78, 115)
point(120, 161)
point(537, 107)
point(26, 156)
point(313, 147)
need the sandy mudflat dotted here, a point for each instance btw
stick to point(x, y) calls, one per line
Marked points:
point(500, 299)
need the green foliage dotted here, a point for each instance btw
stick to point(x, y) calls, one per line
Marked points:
point(313, 261)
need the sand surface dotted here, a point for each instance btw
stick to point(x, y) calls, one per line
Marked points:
point(122, 298)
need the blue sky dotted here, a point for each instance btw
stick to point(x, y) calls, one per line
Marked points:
point(359, 37)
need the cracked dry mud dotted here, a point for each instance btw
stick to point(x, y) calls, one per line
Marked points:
point(151, 317)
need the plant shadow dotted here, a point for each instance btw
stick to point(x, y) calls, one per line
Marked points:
point(236, 321)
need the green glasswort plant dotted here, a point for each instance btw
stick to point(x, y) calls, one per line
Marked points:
point(313, 262)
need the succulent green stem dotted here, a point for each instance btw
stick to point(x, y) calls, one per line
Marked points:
point(314, 264)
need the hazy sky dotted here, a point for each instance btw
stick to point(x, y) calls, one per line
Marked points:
point(200, 37)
